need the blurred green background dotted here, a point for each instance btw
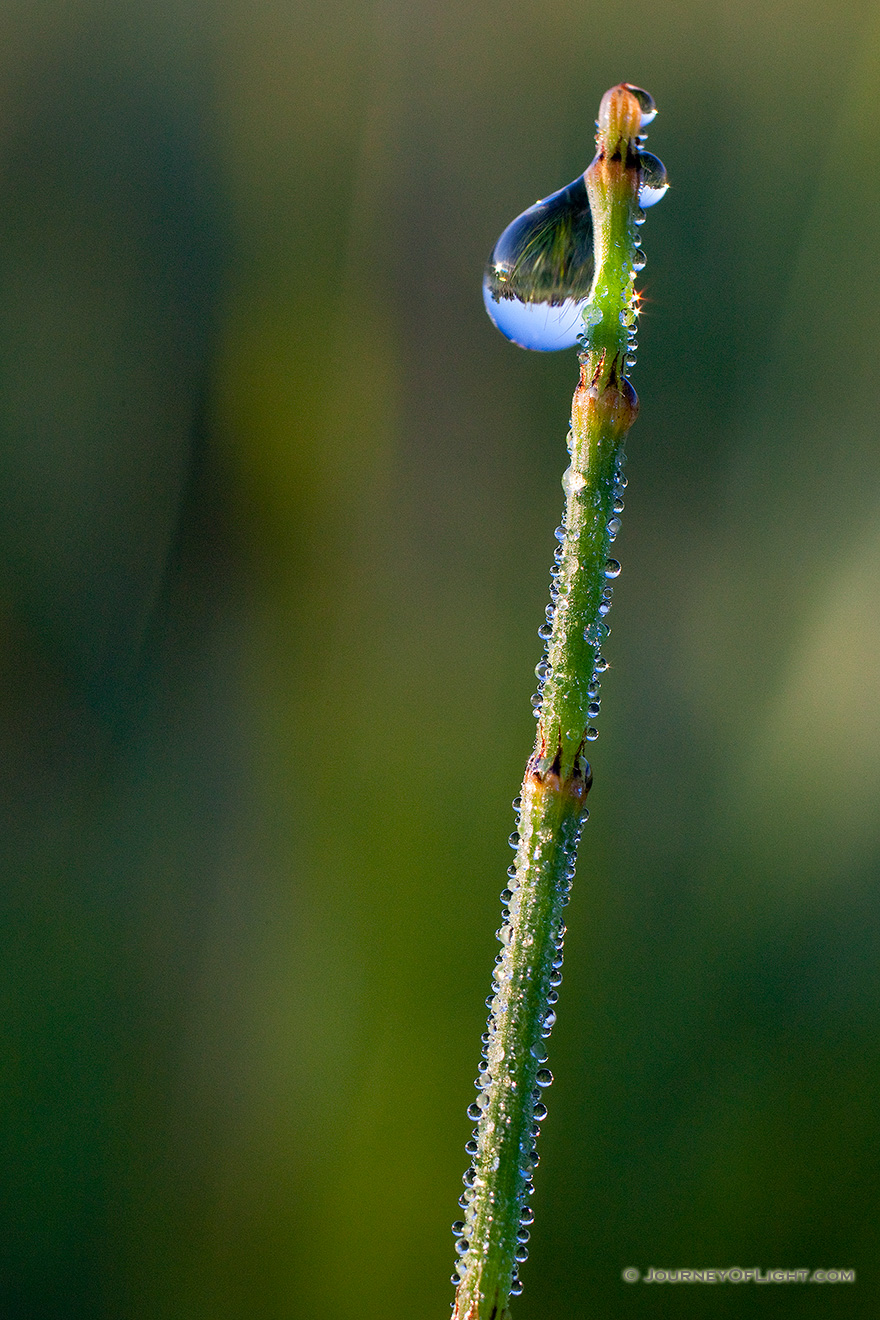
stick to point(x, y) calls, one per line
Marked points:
point(276, 515)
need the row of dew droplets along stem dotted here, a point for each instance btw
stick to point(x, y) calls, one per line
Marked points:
point(537, 290)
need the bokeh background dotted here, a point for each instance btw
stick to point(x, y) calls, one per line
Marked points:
point(276, 516)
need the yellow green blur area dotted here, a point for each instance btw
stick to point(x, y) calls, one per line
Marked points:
point(276, 523)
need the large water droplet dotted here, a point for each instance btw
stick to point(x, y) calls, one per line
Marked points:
point(544, 1077)
point(654, 180)
point(540, 273)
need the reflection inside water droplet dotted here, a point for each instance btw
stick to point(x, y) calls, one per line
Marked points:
point(539, 275)
point(654, 180)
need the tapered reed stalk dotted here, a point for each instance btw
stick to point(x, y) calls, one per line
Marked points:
point(552, 808)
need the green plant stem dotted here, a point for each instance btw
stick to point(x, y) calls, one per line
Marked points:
point(557, 776)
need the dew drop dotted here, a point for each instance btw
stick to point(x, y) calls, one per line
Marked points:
point(593, 710)
point(614, 525)
point(592, 734)
point(640, 261)
point(646, 103)
point(527, 1216)
point(612, 568)
point(514, 840)
point(540, 1112)
point(474, 1112)
point(545, 632)
point(521, 1254)
point(458, 1228)
point(539, 275)
point(573, 482)
point(516, 1288)
point(544, 1077)
point(619, 506)
point(654, 181)
point(601, 664)
point(455, 1280)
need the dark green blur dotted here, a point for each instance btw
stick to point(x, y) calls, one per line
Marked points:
point(276, 515)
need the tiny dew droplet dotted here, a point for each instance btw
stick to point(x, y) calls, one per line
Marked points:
point(640, 261)
point(544, 1077)
point(654, 180)
point(592, 734)
point(540, 272)
point(612, 568)
point(573, 482)
point(646, 103)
